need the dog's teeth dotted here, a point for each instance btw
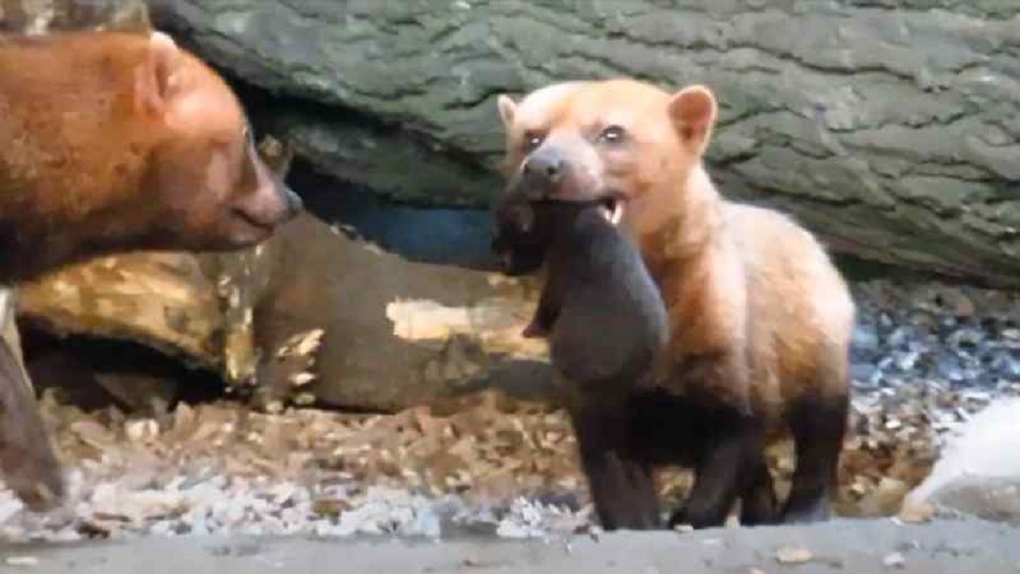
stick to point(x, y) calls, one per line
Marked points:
point(617, 214)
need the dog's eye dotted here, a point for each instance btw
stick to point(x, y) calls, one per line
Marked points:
point(531, 141)
point(612, 135)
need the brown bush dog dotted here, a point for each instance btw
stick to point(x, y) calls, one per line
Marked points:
point(115, 142)
point(112, 142)
point(760, 319)
point(595, 284)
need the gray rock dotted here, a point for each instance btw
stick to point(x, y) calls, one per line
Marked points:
point(990, 498)
point(890, 130)
point(949, 368)
point(978, 472)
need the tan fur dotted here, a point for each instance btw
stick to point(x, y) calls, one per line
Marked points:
point(760, 319)
point(735, 278)
point(114, 141)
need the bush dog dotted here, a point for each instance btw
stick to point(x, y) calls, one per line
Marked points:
point(118, 141)
point(606, 324)
point(113, 142)
point(760, 320)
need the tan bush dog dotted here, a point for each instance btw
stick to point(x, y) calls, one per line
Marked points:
point(760, 319)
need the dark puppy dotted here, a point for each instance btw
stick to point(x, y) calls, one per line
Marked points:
point(606, 324)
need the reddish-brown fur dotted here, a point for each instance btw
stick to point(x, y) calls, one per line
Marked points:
point(761, 321)
point(112, 142)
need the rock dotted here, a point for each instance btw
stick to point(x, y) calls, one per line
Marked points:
point(793, 555)
point(894, 560)
point(42, 16)
point(990, 498)
point(976, 473)
point(399, 97)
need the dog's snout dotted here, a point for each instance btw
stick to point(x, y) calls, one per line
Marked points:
point(545, 166)
point(548, 169)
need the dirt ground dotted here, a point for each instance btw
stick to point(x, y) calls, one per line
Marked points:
point(844, 546)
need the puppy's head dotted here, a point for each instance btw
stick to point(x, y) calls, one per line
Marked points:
point(517, 238)
point(524, 230)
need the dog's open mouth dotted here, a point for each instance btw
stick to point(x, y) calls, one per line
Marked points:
point(613, 210)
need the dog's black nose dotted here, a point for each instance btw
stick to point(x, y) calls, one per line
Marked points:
point(545, 168)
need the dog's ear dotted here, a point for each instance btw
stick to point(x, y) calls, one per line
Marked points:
point(507, 110)
point(693, 110)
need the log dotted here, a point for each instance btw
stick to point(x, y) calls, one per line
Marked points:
point(43, 16)
point(889, 127)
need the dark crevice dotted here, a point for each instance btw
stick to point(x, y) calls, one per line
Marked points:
point(87, 371)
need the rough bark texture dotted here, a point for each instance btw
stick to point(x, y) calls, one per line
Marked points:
point(42, 16)
point(888, 125)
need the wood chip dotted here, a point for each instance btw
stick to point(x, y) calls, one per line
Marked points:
point(895, 560)
point(793, 555)
point(301, 379)
point(23, 561)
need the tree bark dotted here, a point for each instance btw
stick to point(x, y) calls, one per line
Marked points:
point(889, 126)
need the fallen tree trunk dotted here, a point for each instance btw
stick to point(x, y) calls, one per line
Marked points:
point(888, 127)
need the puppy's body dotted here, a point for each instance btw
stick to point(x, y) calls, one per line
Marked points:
point(599, 307)
point(606, 325)
point(760, 320)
